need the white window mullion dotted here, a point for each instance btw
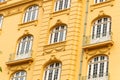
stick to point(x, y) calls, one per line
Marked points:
point(92, 66)
point(58, 37)
point(30, 47)
point(101, 32)
point(36, 13)
point(1, 20)
point(59, 74)
point(58, 5)
point(108, 27)
point(63, 3)
point(26, 41)
point(69, 2)
point(95, 33)
point(25, 17)
point(64, 34)
point(19, 48)
point(52, 37)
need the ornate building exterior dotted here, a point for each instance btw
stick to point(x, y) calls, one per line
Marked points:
point(59, 39)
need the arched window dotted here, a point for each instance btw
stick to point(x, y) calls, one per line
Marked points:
point(24, 47)
point(62, 4)
point(58, 34)
point(52, 71)
point(2, 0)
point(20, 75)
point(1, 21)
point(98, 68)
point(31, 14)
point(99, 1)
point(101, 30)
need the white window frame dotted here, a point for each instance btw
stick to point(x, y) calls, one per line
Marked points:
point(58, 34)
point(20, 75)
point(101, 30)
point(98, 68)
point(31, 14)
point(61, 5)
point(24, 47)
point(1, 21)
point(50, 71)
point(99, 1)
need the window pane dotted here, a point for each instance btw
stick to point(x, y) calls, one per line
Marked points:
point(53, 72)
point(58, 34)
point(18, 76)
point(31, 14)
point(97, 68)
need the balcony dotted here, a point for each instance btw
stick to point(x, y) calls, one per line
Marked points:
point(97, 77)
point(19, 59)
point(98, 41)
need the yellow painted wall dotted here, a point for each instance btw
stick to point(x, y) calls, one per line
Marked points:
point(67, 52)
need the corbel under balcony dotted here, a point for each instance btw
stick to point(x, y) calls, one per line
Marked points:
point(20, 61)
point(98, 45)
point(91, 43)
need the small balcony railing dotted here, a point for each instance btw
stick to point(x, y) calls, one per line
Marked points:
point(98, 40)
point(21, 56)
point(18, 59)
point(104, 76)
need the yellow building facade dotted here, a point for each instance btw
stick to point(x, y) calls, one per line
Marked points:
point(59, 39)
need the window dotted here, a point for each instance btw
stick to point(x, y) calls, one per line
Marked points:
point(24, 47)
point(31, 14)
point(2, 0)
point(52, 72)
point(1, 21)
point(62, 4)
point(101, 30)
point(99, 1)
point(20, 75)
point(98, 68)
point(58, 34)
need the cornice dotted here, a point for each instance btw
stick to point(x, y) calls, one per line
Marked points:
point(15, 4)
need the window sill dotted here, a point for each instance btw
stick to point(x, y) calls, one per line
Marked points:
point(102, 4)
point(28, 24)
point(50, 48)
point(60, 12)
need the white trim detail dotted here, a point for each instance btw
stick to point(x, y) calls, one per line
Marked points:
point(61, 5)
point(98, 68)
point(20, 75)
point(58, 34)
point(24, 47)
point(53, 71)
point(31, 14)
point(101, 30)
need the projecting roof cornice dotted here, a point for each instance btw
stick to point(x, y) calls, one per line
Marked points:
point(6, 6)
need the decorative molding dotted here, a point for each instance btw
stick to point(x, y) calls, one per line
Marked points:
point(58, 13)
point(104, 50)
point(12, 11)
point(21, 64)
point(102, 4)
point(54, 48)
point(28, 24)
point(15, 4)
